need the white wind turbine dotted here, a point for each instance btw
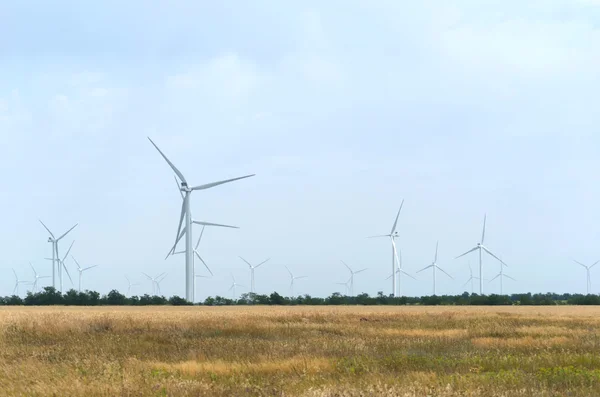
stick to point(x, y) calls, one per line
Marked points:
point(233, 285)
point(435, 267)
point(17, 283)
point(346, 285)
point(480, 247)
point(57, 270)
point(61, 264)
point(81, 270)
point(158, 281)
point(129, 285)
point(502, 275)
point(186, 214)
point(37, 277)
point(400, 271)
point(471, 278)
point(155, 281)
point(352, 273)
point(293, 278)
point(252, 268)
point(393, 235)
point(588, 276)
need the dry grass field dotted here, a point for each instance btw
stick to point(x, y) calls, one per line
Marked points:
point(300, 351)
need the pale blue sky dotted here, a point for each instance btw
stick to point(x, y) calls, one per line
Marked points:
point(342, 109)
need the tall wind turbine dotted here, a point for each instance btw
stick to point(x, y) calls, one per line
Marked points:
point(37, 277)
point(233, 285)
point(293, 278)
point(186, 214)
point(81, 270)
point(352, 273)
point(481, 248)
point(400, 271)
point(470, 280)
point(435, 267)
point(55, 256)
point(129, 285)
point(154, 281)
point(252, 268)
point(502, 275)
point(17, 283)
point(392, 236)
point(587, 271)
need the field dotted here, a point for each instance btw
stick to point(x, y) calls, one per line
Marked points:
point(300, 351)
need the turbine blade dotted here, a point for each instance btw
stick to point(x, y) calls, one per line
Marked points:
point(262, 263)
point(69, 250)
point(595, 263)
point(89, 267)
point(149, 278)
point(45, 227)
point(178, 187)
point(406, 274)
point(381, 235)
point(290, 272)
point(300, 277)
point(77, 263)
point(579, 263)
point(506, 275)
point(490, 252)
point(347, 266)
point(498, 275)
point(15, 273)
point(67, 232)
point(443, 271)
point(199, 238)
point(390, 276)
point(67, 270)
point(213, 184)
point(214, 224)
point(397, 216)
point(183, 205)
point(183, 231)
point(425, 268)
point(204, 263)
point(359, 271)
point(468, 252)
point(34, 272)
point(177, 172)
point(483, 233)
point(468, 281)
point(436, 251)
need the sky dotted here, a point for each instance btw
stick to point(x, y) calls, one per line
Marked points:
point(342, 109)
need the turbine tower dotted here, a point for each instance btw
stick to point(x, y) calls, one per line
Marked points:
point(393, 235)
point(293, 278)
point(481, 248)
point(435, 267)
point(37, 277)
point(400, 271)
point(56, 270)
point(352, 273)
point(587, 271)
point(186, 214)
point(252, 268)
point(81, 270)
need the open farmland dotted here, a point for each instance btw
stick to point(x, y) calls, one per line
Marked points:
point(300, 351)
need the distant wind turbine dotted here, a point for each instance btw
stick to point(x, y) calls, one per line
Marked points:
point(233, 285)
point(480, 247)
point(129, 285)
point(37, 277)
point(392, 236)
point(252, 268)
point(293, 278)
point(346, 285)
point(470, 280)
point(435, 267)
point(502, 275)
point(62, 265)
point(588, 276)
point(352, 273)
point(154, 281)
point(55, 256)
point(81, 270)
point(186, 213)
point(17, 283)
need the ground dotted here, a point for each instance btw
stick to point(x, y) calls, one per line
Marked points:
point(300, 351)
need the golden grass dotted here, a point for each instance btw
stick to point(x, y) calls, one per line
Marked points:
point(300, 351)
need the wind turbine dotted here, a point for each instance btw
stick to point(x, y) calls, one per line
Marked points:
point(233, 285)
point(435, 267)
point(187, 230)
point(352, 273)
point(347, 285)
point(400, 271)
point(471, 278)
point(293, 279)
point(252, 268)
point(480, 247)
point(393, 235)
point(17, 282)
point(129, 285)
point(154, 281)
point(588, 277)
point(502, 275)
point(158, 281)
point(55, 257)
point(37, 277)
point(81, 270)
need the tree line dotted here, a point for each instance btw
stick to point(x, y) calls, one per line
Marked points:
point(50, 296)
